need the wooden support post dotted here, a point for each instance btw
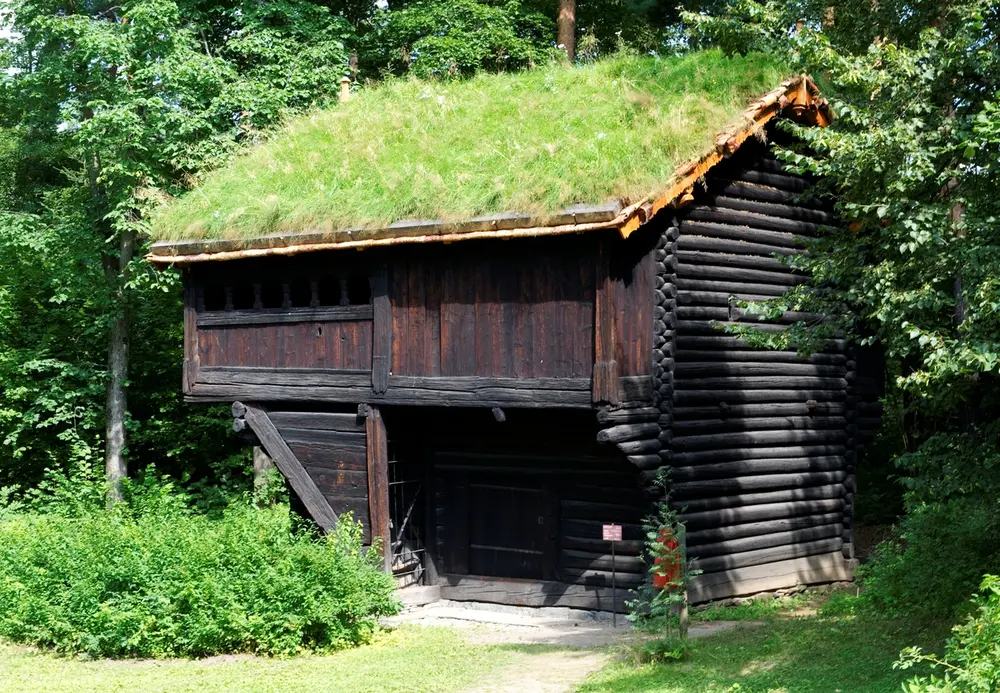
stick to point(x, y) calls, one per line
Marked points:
point(606, 385)
point(381, 332)
point(190, 371)
point(289, 465)
point(378, 482)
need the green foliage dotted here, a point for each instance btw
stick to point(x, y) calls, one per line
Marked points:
point(152, 578)
point(434, 38)
point(656, 605)
point(912, 160)
point(104, 108)
point(946, 540)
point(536, 141)
point(971, 663)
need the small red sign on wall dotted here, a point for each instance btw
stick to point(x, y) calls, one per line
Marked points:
point(612, 532)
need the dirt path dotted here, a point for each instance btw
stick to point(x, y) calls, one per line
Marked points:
point(558, 671)
point(561, 647)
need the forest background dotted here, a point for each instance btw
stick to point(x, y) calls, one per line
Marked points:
point(108, 109)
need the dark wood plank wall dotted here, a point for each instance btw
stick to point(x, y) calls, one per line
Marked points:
point(633, 275)
point(336, 345)
point(503, 309)
point(331, 446)
point(551, 460)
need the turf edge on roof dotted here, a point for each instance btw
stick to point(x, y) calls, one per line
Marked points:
point(797, 98)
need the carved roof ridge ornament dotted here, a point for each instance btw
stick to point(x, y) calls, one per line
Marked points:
point(797, 98)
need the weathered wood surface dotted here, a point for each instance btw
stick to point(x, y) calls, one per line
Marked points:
point(819, 568)
point(759, 443)
point(532, 593)
point(289, 465)
point(378, 482)
point(232, 318)
point(381, 331)
point(346, 345)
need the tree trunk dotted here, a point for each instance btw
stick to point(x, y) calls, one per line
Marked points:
point(116, 408)
point(567, 27)
point(262, 466)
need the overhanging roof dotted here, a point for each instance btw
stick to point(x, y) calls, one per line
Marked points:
point(796, 98)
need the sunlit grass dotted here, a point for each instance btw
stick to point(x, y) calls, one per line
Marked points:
point(409, 660)
point(535, 141)
point(836, 651)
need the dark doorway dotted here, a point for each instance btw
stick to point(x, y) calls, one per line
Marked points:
point(499, 525)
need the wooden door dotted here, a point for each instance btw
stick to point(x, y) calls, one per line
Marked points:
point(500, 526)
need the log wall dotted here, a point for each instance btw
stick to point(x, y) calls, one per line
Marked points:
point(760, 445)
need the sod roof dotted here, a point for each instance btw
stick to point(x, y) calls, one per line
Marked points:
point(548, 145)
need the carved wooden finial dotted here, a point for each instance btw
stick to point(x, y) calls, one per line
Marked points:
point(345, 88)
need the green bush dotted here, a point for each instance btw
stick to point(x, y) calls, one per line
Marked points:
point(972, 661)
point(946, 541)
point(153, 578)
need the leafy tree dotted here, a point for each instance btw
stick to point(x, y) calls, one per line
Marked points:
point(104, 109)
point(458, 37)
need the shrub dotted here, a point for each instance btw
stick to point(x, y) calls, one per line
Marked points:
point(432, 38)
point(945, 542)
point(972, 660)
point(152, 578)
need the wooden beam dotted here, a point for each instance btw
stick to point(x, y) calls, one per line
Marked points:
point(278, 316)
point(378, 482)
point(381, 331)
point(303, 485)
point(190, 372)
point(605, 382)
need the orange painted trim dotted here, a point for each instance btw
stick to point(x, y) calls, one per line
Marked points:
point(797, 98)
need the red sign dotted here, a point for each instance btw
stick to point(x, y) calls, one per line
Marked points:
point(612, 532)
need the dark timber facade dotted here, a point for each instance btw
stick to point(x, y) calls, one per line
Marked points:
point(485, 406)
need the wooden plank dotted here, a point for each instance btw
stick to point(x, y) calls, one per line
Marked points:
point(315, 502)
point(296, 377)
point(378, 482)
point(829, 567)
point(381, 332)
point(284, 316)
point(325, 421)
point(487, 397)
point(531, 593)
point(606, 368)
point(474, 383)
point(191, 355)
point(332, 439)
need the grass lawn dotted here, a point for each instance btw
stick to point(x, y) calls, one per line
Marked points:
point(813, 654)
point(409, 659)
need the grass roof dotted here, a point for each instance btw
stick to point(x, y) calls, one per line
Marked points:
point(534, 142)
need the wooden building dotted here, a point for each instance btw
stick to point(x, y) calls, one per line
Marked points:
point(485, 395)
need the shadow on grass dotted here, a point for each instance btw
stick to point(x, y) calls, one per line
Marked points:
point(822, 654)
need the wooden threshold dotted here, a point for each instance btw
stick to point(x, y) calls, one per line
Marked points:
point(472, 588)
